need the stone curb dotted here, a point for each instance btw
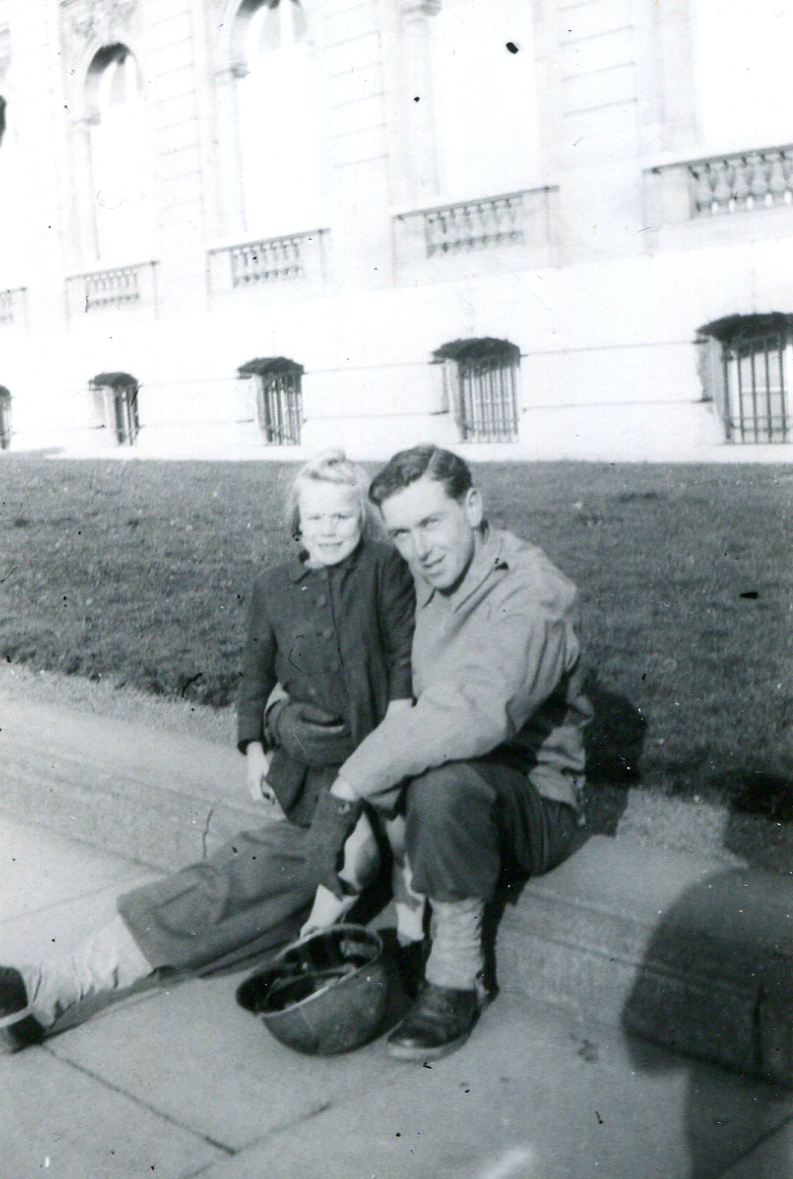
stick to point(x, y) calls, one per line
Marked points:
point(159, 798)
point(680, 949)
point(692, 952)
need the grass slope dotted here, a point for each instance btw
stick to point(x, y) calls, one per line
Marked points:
point(138, 572)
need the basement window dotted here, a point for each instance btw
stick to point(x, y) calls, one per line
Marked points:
point(746, 364)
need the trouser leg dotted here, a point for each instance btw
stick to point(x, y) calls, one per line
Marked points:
point(108, 960)
point(467, 824)
point(252, 894)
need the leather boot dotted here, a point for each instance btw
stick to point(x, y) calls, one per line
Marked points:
point(440, 1021)
point(18, 1029)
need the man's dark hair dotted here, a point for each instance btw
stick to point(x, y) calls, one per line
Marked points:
point(410, 465)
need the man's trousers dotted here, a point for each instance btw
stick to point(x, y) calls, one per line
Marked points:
point(469, 824)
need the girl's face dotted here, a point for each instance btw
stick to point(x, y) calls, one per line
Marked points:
point(330, 521)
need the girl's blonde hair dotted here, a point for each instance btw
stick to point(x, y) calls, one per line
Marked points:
point(332, 466)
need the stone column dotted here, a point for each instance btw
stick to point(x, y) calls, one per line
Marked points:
point(667, 93)
point(231, 204)
point(416, 176)
point(82, 244)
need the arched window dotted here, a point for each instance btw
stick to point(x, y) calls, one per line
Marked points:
point(742, 55)
point(277, 121)
point(12, 196)
point(5, 418)
point(486, 121)
point(120, 163)
point(746, 368)
point(116, 405)
point(481, 383)
point(279, 398)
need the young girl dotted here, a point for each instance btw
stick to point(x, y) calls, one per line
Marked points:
point(333, 628)
point(331, 631)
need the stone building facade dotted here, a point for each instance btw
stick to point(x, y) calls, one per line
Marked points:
point(558, 229)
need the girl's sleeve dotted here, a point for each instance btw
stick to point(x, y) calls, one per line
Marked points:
point(258, 670)
point(397, 620)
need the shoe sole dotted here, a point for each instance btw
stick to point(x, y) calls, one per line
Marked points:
point(21, 1033)
point(409, 1052)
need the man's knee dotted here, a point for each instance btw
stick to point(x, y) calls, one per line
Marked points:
point(449, 794)
point(451, 838)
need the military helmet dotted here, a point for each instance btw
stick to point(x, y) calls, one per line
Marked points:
point(323, 994)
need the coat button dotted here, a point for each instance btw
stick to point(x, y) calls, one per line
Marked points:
point(322, 600)
point(327, 633)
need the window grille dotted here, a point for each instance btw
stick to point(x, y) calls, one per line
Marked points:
point(116, 402)
point(751, 385)
point(125, 415)
point(483, 379)
point(279, 398)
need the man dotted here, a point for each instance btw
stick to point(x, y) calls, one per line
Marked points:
point(487, 767)
point(489, 762)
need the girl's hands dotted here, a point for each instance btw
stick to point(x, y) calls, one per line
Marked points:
point(258, 763)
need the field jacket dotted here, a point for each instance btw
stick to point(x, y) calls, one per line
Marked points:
point(497, 671)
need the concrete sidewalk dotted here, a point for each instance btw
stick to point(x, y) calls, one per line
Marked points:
point(693, 951)
point(181, 1082)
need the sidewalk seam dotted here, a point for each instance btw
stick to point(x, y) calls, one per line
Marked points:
point(229, 1151)
point(755, 1147)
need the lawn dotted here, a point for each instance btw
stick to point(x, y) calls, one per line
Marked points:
point(138, 572)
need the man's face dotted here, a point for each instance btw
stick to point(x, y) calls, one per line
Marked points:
point(437, 535)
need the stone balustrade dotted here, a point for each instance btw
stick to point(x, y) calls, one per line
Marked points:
point(745, 181)
point(117, 287)
point(12, 306)
point(289, 258)
point(518, 219)
point(112, 288)
point(474, 224)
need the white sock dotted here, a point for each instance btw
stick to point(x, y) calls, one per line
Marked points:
point(410, 905)
point(410, 924)
point(456, 959)
point(108, 960)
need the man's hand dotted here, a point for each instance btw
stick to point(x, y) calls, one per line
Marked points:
point(341, 788)
point(258, 763)
point(327, 910)
point(333, 821)
point(308, 733)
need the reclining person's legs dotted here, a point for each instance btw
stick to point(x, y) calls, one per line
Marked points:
point(251, 894)
point(251, 891)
